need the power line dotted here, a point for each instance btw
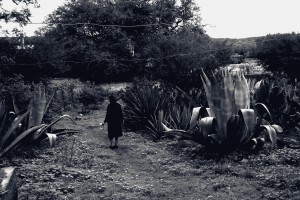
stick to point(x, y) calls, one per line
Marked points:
point(149, 59)
point(96, 24)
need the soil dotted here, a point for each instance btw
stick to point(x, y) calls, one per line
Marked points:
point(82, 166)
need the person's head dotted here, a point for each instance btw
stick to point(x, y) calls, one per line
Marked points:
point(112, 99)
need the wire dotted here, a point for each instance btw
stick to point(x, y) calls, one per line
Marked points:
point(136, 59)
point(144, 59)
point(96, 24)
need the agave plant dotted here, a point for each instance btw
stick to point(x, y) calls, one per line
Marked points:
point(282, 98)
point(228, 123)
point(144, 109)
point(28, 124)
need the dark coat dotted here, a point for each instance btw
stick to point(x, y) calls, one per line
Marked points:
point(114, 119)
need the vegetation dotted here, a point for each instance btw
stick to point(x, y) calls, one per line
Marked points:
point(282, 97)
point(228, 123)
point(21, 16)
point(27, 125)
point(160, 46)
point(279, 53)
point(153, 39)
point(144, 110)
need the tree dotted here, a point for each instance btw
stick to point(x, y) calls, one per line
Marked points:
point(279, 53)
point(21, 16)
point(106, 38)
point(8, 46)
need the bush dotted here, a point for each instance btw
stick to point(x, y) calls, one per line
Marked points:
point(229, 123)
point(279, 53)
point(144, 105)
point(90, 96)
point(16, 91)
point(148, 104)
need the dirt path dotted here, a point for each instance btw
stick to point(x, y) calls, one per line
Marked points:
point(84, 167)
point(141, 169)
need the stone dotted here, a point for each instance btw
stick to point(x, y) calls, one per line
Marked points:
point(9, 190)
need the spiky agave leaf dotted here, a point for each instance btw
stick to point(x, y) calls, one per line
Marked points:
point(179, 116)
point(262, 111)
point(248, 116)
point(197, 113)
point(216, 95)
point(206, 125)
point(38, 105)
point(14, 103)
point(241, 93)
point(17, 140)
point(52, 138)
point(154, 125)
point(272, 134)
point(185, 135)
point(246, 88)
point(226, 111)
point(277, 128)
point(208, 88)
point(66, 131)
point(237, 133)
point(12, 128)
point(3, 115)
point(43, 129)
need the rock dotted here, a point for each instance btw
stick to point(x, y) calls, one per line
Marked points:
point(9, 187)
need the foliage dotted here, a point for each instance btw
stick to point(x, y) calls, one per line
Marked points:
point(279, 53)
point(107, 52)
point(6, 55)
point(144, 105)
point(17, 91)
point(90, 95)
point(228, 123)
point(158, 39)
point(148, 104)
point(21, 16)
point(119, 40)
point(27, 126)
point(282, 98)
point(178, 116)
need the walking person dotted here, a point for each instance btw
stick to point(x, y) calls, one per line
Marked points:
point(114, 120)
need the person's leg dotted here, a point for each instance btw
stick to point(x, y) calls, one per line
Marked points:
point(111, 142)
point(116, 142)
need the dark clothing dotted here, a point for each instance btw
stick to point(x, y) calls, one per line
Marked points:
point(114, 119)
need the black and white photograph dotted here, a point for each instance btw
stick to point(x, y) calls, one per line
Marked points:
point(150, 99)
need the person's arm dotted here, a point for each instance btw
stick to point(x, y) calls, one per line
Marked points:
point(121, 114)
point(107, 114)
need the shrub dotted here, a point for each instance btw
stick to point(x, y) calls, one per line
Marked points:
point(16, 91)
point(148, 104)
point(281, 97)
point(27, 125)
point(90, 96)
point(228, 123)
point(144, 108)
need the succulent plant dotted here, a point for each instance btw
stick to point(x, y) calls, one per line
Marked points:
point(229, 122)
point(27, 124)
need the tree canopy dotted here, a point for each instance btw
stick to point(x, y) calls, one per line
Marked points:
point(279, 53)
point(20, 16)
point(113, 39)
point(117, 40)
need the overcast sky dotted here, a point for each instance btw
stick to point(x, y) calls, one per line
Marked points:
point(223, 18)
